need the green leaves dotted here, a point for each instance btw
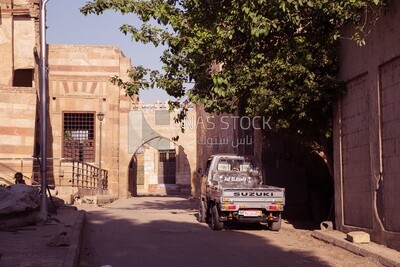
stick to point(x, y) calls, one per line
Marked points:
point(272, 57)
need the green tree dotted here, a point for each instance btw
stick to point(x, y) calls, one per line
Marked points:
point(273, 58)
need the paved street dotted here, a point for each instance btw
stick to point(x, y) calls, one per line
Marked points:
point(163, 231)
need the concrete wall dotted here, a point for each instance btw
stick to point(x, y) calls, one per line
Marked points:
point(367, 133)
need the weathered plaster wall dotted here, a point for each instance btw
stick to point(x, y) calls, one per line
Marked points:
point(367, 133)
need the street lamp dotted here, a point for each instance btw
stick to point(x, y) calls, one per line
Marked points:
point(100, 117)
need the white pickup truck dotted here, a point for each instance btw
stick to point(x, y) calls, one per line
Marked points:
point(232, 191)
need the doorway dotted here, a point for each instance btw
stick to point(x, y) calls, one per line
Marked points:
point(167, 166)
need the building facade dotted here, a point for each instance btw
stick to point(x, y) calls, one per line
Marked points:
point(163, 155)
point(79, 89)
point(78, 143)
point(367, 133)
point(19, 38)
point(19, 95)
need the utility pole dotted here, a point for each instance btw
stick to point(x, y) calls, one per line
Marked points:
point(43, 96)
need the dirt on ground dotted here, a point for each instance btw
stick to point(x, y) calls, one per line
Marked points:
point(164, 231)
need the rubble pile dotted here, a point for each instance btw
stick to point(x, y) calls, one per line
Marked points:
point(19, 205)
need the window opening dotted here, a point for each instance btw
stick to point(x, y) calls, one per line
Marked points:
point(167, 156)
point(23, 78)
point(78, 139)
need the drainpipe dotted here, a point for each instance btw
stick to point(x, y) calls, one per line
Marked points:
point(43, 90)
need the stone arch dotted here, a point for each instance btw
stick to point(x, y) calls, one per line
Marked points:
point(145, 167)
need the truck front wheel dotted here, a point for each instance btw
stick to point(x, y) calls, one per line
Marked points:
point(215, 223)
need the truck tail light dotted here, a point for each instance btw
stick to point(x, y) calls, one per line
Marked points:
point(275, 207)
point(230, 207)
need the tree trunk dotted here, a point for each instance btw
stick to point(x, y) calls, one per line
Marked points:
point(324, 152)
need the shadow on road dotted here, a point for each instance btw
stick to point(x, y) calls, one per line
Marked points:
point(186, 203)
point(157, 203)
point(304, 225)
point(164, 232)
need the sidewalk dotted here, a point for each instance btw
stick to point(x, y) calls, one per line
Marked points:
point(57, 243)
point(384, 255)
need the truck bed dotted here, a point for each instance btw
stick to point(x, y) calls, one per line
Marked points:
point(265, 197)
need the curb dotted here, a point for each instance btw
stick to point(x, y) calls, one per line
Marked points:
point(71, 260)
point(384, 255)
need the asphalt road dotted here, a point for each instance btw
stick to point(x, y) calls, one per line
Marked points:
point(163, 231)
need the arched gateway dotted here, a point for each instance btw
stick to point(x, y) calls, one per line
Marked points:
point(159, 165)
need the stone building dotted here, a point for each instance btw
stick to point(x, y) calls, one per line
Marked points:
point(19, 98)
point(79, 88)
point(18, 77)
point(163, 157)
point(367, 133)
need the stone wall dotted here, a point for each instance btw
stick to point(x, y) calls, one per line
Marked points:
point(18, 104)
point(18, 38)
point(152, 129)
point(367, 133)
point(17, 122)
point(79, 81)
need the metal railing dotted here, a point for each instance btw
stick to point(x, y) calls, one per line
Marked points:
point(60, 172)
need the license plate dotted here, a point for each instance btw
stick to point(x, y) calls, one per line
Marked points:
point(250, 213)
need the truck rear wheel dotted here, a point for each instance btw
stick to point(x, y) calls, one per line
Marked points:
point(215, 223)
point(202, 213)
point(275, 226)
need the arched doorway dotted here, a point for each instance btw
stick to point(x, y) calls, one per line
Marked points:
point(153, 167)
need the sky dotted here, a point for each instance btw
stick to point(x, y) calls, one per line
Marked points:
point(66, 25)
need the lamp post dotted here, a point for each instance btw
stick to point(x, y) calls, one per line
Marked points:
point(100, 117)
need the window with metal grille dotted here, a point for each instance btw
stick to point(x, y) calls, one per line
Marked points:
point(167, 155)
point(78, 139)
